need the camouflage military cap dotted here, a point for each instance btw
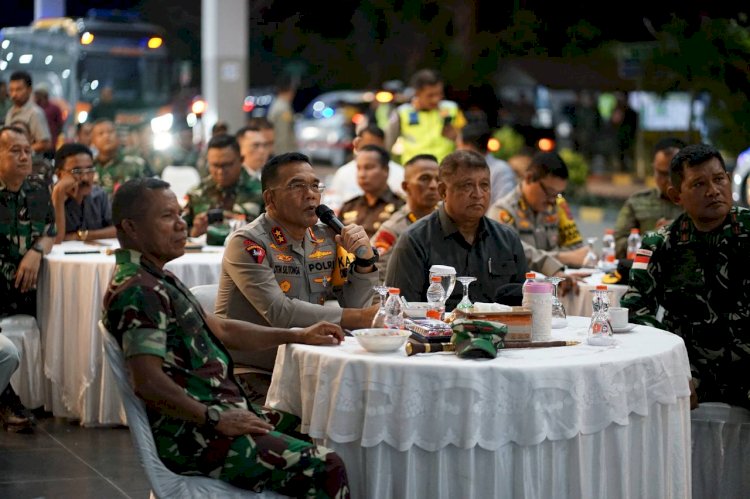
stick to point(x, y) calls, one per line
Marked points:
point(476, 339)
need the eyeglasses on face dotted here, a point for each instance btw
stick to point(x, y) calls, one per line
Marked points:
point(300, 188)
point(83, 171)
point(549, 192)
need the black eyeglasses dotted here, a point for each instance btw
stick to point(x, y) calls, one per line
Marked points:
point(550, 194)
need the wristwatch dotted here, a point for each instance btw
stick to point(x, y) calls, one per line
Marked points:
point(213, 415)
point(38, 247)
point(83, 234)
point(366, 262)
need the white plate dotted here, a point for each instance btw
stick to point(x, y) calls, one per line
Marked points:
point(623, 329)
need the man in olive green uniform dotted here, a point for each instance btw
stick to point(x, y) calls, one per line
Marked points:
point(228, 188)
point(113, 166)
point(279, 269)
point(420, 184)
point(650, 209)
point(27, 232)
point(428, 124)
point(542, 218)
point(200, 418)
point(377, 203)
point(697, 270)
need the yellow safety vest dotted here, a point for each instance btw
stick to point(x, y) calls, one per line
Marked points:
point(422, 131)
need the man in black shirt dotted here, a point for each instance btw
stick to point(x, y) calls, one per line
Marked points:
point(458, 234)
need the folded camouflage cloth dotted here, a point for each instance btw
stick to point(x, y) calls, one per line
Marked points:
point(478, 339)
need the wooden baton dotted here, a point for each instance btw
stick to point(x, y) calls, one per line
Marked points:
point(413, 348)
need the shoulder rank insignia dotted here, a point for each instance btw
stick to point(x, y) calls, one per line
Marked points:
point(278, 235)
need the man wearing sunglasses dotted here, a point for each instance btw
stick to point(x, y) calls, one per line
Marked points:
point(82, 209)
point(537, 210)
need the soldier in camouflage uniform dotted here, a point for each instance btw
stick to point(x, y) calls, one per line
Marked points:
point(201, 421)
point(113, 166)
point(228, 188)
point(540, 215)
point(420, 184)
point(27, 232)
point(697, 270)
point(650, 209)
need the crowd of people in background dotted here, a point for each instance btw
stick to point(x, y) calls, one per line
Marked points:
point(451, 202)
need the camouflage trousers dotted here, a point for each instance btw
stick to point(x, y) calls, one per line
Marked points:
point(283, 460)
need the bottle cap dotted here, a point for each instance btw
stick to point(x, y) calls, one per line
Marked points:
point(601, 287)
point(394, 291)
point(530, 275)
point(436, 278)
point(635, 231)
point(609, 231)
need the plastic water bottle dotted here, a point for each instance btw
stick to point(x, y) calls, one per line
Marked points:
point(634, 243)
point(608, 246)
point(530, 279)
point(436, 298)
point(394, 310)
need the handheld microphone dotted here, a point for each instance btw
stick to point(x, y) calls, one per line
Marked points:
point(328, 217)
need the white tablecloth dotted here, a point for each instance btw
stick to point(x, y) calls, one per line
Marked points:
point(577, 421)
point(580, 304)
point(71, 290)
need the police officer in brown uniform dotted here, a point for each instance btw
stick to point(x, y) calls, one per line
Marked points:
point(279, 269)
point(378, 202)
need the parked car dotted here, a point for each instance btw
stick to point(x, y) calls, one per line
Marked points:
point(326, 127)
point(741, 180)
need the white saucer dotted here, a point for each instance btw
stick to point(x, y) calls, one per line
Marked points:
point(623, 329)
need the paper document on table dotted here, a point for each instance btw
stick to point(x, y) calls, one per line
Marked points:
point(483, 308)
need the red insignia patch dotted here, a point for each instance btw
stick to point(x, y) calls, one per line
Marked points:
point(278, 235)
point(642, 257)
point(255, 250)
point(384, 241)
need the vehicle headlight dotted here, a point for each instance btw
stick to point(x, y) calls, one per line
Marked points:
point(162, 123)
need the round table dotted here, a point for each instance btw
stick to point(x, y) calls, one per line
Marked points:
point(576, 421)
point(72, 285)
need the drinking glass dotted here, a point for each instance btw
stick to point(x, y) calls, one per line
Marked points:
point(465, 301)
point(378, 321)
point(559, 317)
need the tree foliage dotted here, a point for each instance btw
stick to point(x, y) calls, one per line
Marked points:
point(710, 58)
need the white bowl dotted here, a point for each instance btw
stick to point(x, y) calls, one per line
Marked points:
point(380, 339)
point(417, 309)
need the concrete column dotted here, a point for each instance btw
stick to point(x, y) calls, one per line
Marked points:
point(224, 56)
point(48, 8)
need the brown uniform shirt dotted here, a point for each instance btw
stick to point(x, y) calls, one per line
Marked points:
point(357, 211)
